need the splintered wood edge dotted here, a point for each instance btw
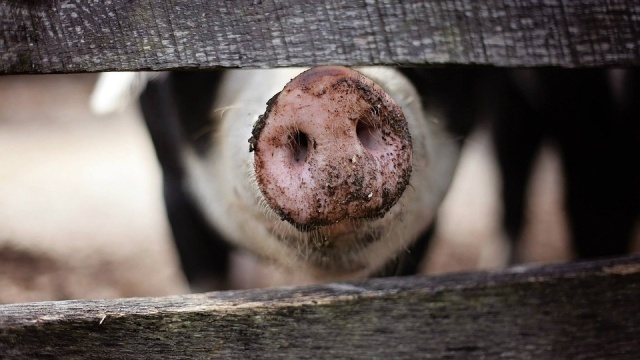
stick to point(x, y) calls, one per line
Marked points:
point(26, 314)
point(565, 311)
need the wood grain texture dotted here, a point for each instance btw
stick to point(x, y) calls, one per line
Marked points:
point(62, 36)
point(574, 311)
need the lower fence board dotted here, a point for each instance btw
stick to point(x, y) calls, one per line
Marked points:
point(586, 310)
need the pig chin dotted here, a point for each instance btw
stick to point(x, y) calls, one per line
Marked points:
point(341, 249)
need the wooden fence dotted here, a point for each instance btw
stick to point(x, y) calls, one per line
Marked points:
point(575, 311)
point(61, 36)
point(586, 310)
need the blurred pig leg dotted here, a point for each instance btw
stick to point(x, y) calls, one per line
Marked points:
point(597, 113)
point(518, 132)
point(176, 109)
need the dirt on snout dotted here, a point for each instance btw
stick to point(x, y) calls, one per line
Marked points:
point(331, 146)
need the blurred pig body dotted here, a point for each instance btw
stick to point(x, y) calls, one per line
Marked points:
point(214, 197)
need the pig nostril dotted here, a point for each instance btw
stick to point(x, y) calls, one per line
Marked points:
point(299, 146)
point(369, 136)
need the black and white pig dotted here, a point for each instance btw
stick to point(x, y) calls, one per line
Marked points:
point(332, 173)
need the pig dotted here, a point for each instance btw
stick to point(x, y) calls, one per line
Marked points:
point(592, 117)
point(331, 172)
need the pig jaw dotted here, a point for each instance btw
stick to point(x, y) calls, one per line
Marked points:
point(332, 147)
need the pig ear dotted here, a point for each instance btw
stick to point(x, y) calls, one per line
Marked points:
point(177, 108)
point(115, 91)
point(194, 94)
point(449, 93)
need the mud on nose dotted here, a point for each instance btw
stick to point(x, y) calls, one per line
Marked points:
point(331, 146)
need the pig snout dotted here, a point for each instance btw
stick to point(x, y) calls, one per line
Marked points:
point(331, 146)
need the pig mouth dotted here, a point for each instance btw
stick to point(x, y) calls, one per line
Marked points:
point(338, 248)
point(340, 236)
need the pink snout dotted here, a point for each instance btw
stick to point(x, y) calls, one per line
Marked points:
point(331, 146)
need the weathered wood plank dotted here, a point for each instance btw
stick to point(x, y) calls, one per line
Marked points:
point(61, 36)
point(583, 310)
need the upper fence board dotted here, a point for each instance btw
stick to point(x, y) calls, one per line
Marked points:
point(63, 36)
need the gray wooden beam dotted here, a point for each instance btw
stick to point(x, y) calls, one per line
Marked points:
point(62, 36)
point(583, 310)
